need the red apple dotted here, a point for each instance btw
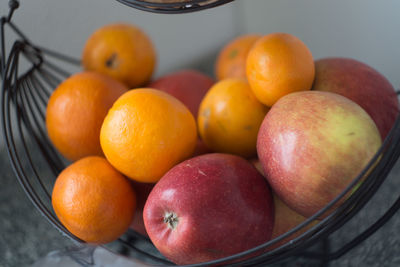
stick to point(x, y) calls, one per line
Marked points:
point(208, 207)
point(189, 86)
point(257, 164)
point(312, 145)
point(201, 148)
point(362, 84)
point(142, 192)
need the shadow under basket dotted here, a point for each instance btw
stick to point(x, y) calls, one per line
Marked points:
point(36, 163)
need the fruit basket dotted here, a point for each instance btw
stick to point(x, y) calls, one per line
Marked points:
point(36, 163)
point(171, 7)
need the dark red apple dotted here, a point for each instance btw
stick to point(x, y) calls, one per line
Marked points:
point(362, 84)
point(189, 86)
point(201, 148)
point(208, 207)
point(312, 145)
point(142, 191)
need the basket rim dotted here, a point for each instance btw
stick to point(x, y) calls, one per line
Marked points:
point(177, 7)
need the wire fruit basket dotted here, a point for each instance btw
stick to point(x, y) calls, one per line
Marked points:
point(36, 163)
point(173, 6)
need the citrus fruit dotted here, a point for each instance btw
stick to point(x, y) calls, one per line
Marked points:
point(75, 111)
point(93, 200)
point(122, 51)
point(231, 60)
point(279, 64)
point(229, 118)
point(147, 132)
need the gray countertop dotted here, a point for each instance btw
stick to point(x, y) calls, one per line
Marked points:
point(26, 236)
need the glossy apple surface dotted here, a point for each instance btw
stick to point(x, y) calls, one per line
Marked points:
point(312, 145)
point(208, 207)
point(362, 84)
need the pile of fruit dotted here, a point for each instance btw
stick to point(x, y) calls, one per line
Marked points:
point(210, 167)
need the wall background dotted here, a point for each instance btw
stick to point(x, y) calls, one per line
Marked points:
point(180, 41)
point(367, 30)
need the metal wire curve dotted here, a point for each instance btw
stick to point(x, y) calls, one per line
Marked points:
point(173, 7)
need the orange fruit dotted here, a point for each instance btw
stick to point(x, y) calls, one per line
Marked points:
point(122, 51)
point(279, 64)
point(75, 111)
point(147, 132)
point(93, 200)
point(230, 117)
point(231, 60)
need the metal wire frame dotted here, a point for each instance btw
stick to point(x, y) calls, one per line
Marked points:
point(24, 97)
point(176, 7)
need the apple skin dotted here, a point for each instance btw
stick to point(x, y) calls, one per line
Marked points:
point(189, 86)
point(201, 148)
point(285, 218)
point(142, 192)
point(312, 145)
point(362, 84)
point(218, 204)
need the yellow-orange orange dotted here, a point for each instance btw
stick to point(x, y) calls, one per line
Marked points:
point(279, 64)
point(231, 60)
point(230, 117)
point(122, 51)
point(147, 132)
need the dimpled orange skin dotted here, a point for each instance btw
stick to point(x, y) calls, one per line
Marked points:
point(230, 117)
point(76, 110)
point(279, 64)
point(231, 60)
point(122, 51)
point(146, 133)
point(93, 200)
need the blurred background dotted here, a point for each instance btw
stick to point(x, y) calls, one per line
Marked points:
point(367, 30)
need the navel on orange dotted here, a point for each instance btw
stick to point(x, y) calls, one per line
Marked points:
point(122, 51)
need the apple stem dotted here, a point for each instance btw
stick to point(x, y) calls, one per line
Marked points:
point(171, 219)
